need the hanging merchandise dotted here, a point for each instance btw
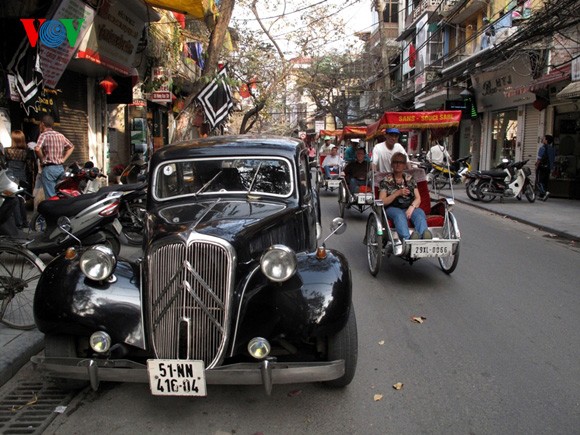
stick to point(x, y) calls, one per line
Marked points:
point(25, 66)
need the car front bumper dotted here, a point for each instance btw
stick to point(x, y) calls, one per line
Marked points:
point(266, 373)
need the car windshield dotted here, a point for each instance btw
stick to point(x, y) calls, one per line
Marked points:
point(250, 175)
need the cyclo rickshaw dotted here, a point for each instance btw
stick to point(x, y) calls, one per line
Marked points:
point(363, 199)
point(381, 238)
point(333, 182)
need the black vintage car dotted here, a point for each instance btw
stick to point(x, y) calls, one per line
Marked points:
point(233, 287)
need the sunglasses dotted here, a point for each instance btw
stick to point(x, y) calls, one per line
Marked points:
point(398, 162)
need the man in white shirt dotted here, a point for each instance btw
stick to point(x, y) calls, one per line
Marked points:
point(325, 148)
point(331, 162)
point(438, 155)
point(382, 152)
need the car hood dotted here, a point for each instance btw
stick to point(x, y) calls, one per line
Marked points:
point(250, 226)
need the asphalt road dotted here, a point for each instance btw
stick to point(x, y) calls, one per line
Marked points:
point(498, 351)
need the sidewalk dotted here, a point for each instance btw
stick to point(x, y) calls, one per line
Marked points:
point(557, 216)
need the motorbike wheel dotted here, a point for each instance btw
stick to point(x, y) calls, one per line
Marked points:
point(530, 193)
point(471, 190)
point(20, 272)
point(344, 346)
point(63, 346)
point(112, 241)
point(483, 191)
point(341, 201)
point(449, 263)
point(38, 223)
point(133, 223)
point(439, 181)
point(374, 246)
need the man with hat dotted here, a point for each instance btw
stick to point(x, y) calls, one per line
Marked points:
point(382, 152)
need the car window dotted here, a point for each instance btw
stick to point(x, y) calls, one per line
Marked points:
point(258, 176)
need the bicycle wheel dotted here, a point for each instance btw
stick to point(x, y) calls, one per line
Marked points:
point(20, 271)
point(133, 222)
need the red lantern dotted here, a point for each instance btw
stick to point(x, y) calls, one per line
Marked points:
point(108, 84)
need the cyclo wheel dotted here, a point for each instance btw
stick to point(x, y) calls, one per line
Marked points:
point(341, 200)
point(20, 271)
point(449, 263)
point(374, 245)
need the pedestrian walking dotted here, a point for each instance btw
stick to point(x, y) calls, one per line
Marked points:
point(544, 165)
point(52, 148)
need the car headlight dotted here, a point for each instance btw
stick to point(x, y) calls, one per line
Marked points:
point(278, 263)
point(98, 262)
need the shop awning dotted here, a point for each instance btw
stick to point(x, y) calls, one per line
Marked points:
point(415, 120)
point(554, 76)
point(572, 91)
point(197, 9)
point(334, 133)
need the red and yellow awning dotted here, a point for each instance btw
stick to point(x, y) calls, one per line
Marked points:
point(197, 9)
point(414, 120)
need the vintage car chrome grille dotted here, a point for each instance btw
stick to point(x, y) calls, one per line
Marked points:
point(190, 290)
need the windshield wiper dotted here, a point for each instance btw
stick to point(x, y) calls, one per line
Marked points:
point(254, 179)
point(206, 185)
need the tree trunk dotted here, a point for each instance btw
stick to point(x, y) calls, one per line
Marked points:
point(219, 27)
point(244, 128)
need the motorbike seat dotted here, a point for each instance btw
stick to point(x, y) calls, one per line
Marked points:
point(494, 173)
point(69, 206)
point(122, 187)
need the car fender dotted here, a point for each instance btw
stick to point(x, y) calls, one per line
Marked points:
point(315, 302)
point(66, 302)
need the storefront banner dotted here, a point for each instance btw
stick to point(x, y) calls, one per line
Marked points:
point(113, 37)
point(415, 120)
point(54, 60)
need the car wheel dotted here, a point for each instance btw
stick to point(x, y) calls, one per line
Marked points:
point(63, 346)
point(374, 246)
point(344, 346)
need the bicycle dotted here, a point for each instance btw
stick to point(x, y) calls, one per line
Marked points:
point(20, 271)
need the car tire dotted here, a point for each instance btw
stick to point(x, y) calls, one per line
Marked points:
point(63, 346)
point(344, 346)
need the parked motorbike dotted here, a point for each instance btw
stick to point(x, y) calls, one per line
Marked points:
point(78, 180)
point(513, 181)
point(442, 176)
point(90, 219)
point(132, 209)
point(136, 170)
point(473, 178)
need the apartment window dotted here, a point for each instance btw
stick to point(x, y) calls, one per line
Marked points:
point(391, 11)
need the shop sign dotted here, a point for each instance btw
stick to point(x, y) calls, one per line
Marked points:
point(55, 58)
point(503, 88)
point(160, 96)
point(113, 37)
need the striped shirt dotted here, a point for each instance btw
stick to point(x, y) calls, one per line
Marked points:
point(53, 145)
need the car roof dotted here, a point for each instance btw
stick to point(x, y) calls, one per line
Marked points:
point(230, 146)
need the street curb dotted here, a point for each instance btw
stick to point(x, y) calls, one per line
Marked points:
point(18, 352)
